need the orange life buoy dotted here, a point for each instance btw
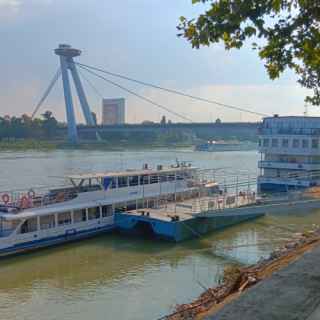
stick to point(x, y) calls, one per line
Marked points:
point(24, 202)
point(5, 198)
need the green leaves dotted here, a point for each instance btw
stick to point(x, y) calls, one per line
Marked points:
point(289, 29)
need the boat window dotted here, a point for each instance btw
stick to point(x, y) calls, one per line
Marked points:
point(266, 142)
point(120, 207)
point(113, 183)
point(163, 178)
point(64, 218)
point(144, 180)
point(94, 213)
point(79, 215)
point(154, 179)
point(171, 177)
point(274, 143)
point(107, 211)
point(180, 176)
point(133, 181)
point(295, 143)
point(47, 222)
point(7, 227)
point(305, 143)
point(315, 143)
point(122, 182)
point(285, 143)
point(30, 225)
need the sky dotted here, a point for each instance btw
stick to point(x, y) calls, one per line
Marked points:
point(137, 38)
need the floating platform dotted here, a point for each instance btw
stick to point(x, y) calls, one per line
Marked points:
point(178, 221)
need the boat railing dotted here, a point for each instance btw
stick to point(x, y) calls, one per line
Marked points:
point(17, 200)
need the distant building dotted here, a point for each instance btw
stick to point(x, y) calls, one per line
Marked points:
point(113, 111)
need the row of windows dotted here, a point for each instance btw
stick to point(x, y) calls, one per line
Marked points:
point(64, 218)
point(122, 182)
point(285, 143)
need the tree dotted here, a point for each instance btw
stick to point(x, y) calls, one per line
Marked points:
point(50, 124)
point(287, 32)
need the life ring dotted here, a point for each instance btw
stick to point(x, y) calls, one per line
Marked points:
point(31, 194)
point(25, 202)
point(5, 198)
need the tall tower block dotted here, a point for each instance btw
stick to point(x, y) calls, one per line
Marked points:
point(66, 54)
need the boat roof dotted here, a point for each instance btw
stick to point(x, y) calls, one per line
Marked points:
point(128, 172)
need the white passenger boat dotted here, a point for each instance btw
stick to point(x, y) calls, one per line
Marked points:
point(86, 207)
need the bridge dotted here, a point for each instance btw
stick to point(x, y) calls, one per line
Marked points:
point(226, 130)
point(67, 54)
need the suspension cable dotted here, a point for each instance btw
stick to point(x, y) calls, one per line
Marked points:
point(174, 91)
point(46, 93)
point(137, 95)
point(93, 87)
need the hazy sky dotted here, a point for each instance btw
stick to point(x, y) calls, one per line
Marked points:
point(136, 38)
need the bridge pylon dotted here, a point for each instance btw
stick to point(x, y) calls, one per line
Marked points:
point(66, 54)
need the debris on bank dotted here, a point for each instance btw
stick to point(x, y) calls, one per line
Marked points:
point(236, 279)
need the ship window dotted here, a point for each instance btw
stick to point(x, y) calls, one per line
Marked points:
point(79, 215)
point(64, 218)
point(274, 143)
point(171, 177)
point(295, 143)
point(47, 222)
point(144, 180)
point(315, 143)
point(30, 225)
point(133, 181)
point(163, 178)
point(260, 142)
point(266, 142)
point(154, 179)
point(94, 213)
point(285, 143)
point(107, 211)
point(7, 227)
point(113, 183)
point(122, 182)
point(305, 143)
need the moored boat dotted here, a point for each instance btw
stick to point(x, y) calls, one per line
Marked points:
point(87, 205)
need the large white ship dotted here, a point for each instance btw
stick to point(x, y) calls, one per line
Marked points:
point(31, 220)
point(290, 153)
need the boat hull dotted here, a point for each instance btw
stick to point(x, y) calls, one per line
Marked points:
point(53, 241)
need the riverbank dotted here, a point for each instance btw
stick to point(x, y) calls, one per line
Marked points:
point(43, 145)
point(285, 287)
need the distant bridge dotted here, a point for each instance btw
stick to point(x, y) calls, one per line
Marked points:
point(67, 54)
point(225, 130)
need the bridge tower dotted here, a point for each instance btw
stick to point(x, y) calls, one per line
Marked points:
point(66, 54)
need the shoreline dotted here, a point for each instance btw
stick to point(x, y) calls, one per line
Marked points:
point(237, 280)
point(47, 145)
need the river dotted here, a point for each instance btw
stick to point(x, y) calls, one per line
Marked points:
point(118, 277)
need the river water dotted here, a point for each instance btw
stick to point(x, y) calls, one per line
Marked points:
point(117, 277)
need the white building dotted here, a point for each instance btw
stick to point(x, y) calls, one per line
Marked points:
point(113, 111)
point(290, 153)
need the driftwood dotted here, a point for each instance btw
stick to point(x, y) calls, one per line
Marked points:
point(236, 280)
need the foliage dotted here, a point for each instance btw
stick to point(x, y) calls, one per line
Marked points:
point(26, 128)
point(287, 32)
